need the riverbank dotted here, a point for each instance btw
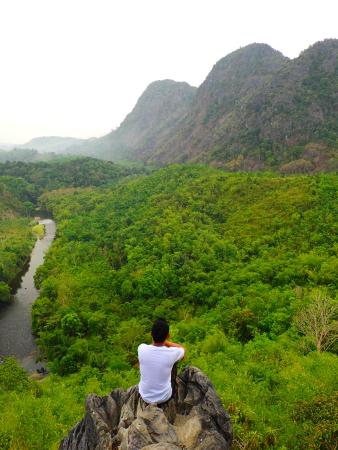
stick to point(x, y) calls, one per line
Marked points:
point(16, 337)
point(35, 231)
point(16, 244)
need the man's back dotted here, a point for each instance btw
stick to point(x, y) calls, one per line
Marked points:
point(156, 363)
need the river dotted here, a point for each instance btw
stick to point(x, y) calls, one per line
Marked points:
point(15, 319)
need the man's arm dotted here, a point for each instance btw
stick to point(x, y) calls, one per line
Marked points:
point(172, 344)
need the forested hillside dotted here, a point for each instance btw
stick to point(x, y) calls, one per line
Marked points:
point(233, 261)
point(15, 197)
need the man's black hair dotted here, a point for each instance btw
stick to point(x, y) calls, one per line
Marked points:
point(160, 330)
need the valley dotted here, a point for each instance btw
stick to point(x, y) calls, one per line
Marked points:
point(233, 261)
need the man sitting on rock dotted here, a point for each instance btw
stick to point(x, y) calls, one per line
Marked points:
point(158, 365)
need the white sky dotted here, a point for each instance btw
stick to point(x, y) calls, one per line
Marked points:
point(77, 67)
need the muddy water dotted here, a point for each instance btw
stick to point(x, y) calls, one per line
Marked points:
point(15, 319)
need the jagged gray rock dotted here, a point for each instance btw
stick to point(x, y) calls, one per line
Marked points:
point(194, 420)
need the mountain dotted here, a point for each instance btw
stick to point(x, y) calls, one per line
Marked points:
point(155, 117)
point(231, 81)
point(294, 115)
point(256, 109)
point(52, 144)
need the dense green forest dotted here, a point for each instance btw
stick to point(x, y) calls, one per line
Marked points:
point(16, 237)
point(236, 262)
point(66, 172)
point(21, 184)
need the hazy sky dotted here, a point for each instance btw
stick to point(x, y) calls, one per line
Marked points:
point(77, 67)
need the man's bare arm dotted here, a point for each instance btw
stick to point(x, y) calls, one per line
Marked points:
point(173, 344)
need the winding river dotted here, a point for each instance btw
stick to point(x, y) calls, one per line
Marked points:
point(15, 319)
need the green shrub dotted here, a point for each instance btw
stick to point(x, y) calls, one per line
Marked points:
point(5, 293)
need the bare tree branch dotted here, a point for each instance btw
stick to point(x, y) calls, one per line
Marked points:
point(318, 321)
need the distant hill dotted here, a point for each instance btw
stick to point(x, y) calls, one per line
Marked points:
point(6, 146)
point(19, 154)
point(50, 144)
point(256, 109)
point(26, 155)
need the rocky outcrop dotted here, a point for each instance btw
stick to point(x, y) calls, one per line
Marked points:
point(194, 420)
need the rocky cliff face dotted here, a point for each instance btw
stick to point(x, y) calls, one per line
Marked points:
point(193, 420)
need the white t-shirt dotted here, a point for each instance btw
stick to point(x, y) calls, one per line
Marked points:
point(156, 364)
